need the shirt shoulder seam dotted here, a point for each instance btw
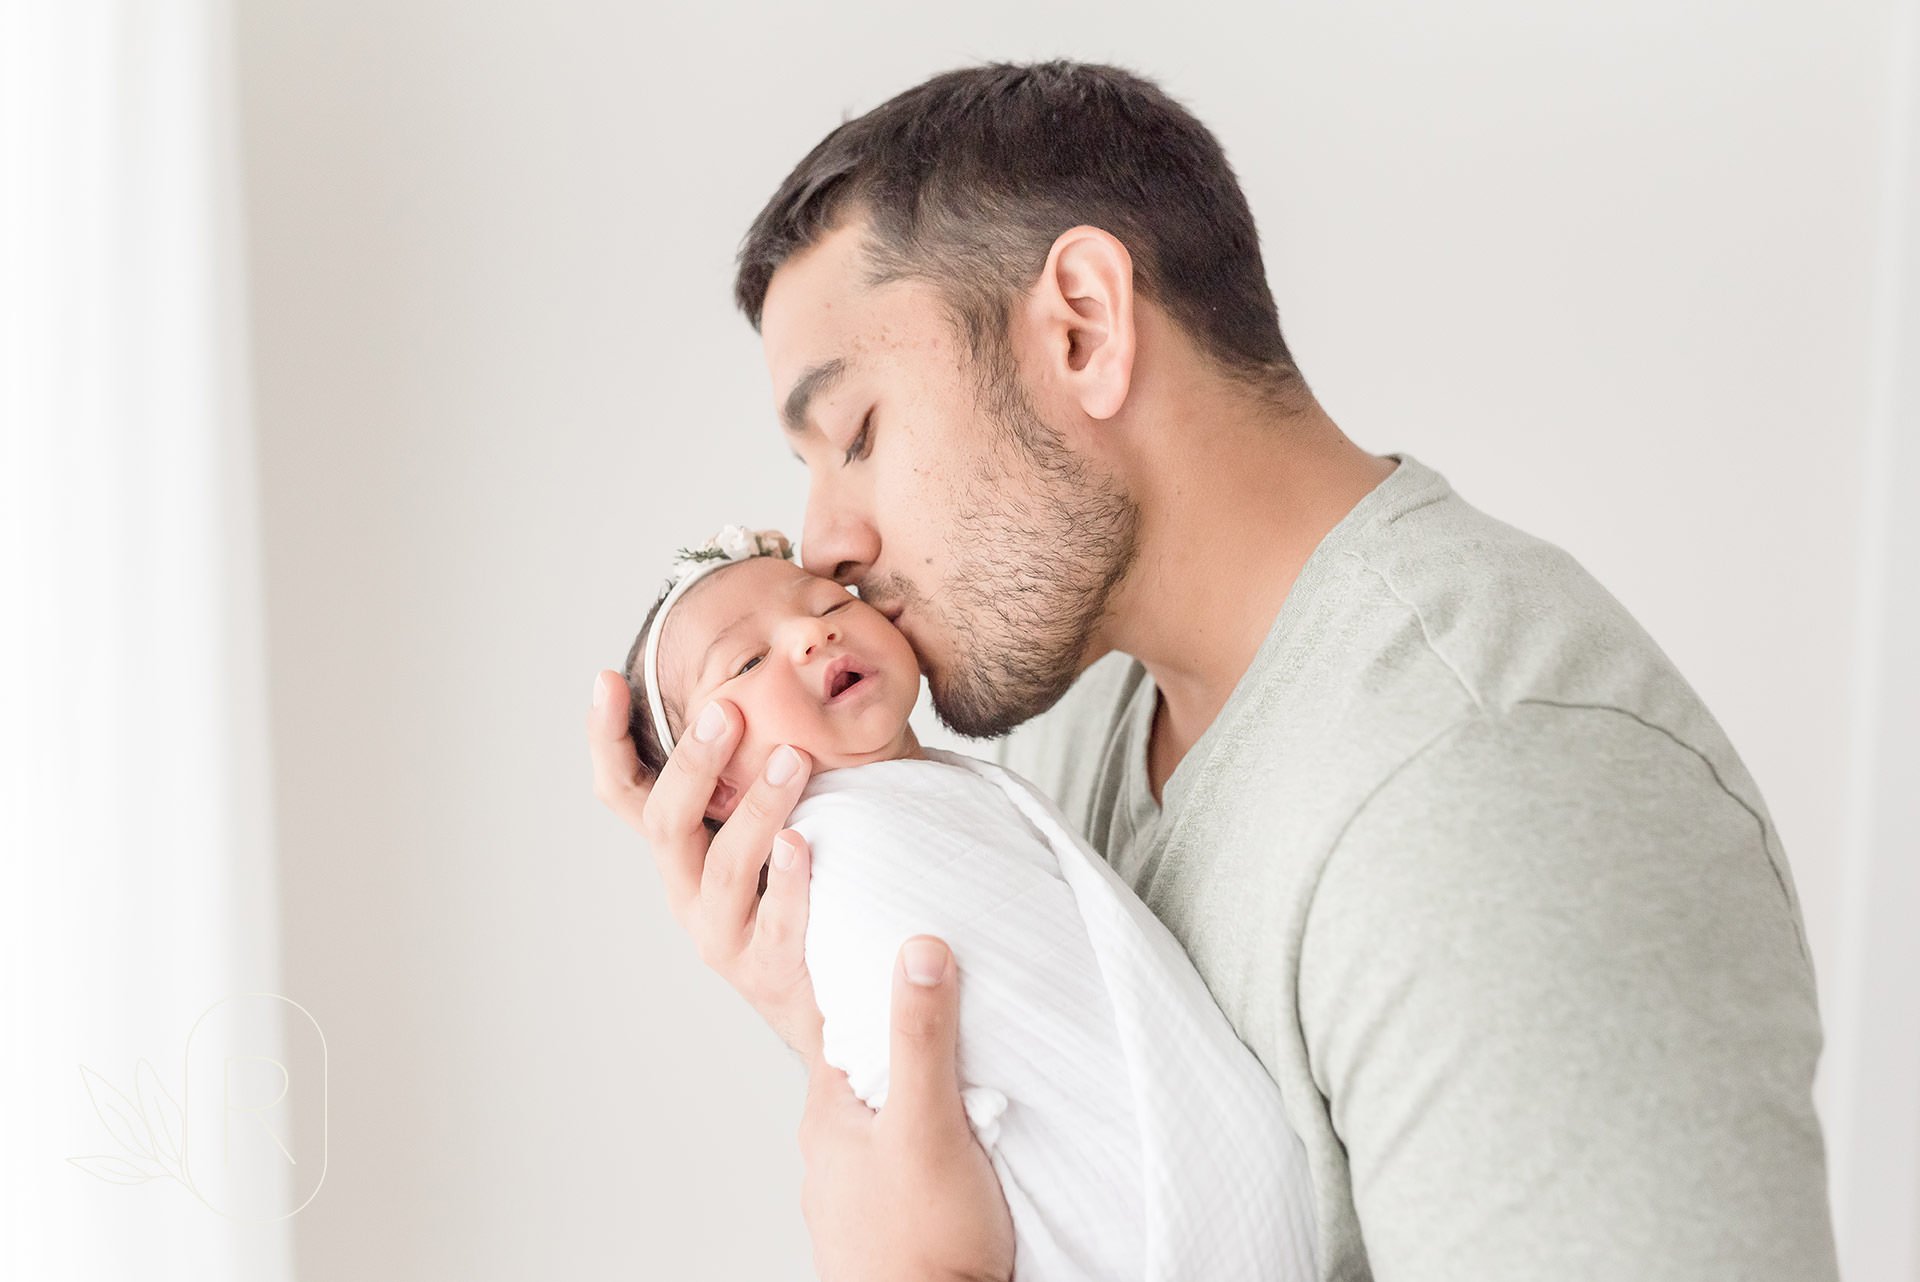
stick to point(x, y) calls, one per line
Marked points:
point(1426, 633)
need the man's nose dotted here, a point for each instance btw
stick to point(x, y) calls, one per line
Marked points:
point(836, 547)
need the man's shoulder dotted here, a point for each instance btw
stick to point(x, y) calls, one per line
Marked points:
point(1432, 608)
point(1489, 596)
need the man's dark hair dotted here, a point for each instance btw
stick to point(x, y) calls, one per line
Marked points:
point(969, 178)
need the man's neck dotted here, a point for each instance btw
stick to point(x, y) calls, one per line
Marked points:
point(1228, 520)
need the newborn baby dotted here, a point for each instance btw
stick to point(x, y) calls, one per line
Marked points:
point(1133, 1134)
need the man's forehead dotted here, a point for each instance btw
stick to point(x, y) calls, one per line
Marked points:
point(812, 312)
point(823, 325)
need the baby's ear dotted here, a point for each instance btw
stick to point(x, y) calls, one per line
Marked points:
point(725, 796)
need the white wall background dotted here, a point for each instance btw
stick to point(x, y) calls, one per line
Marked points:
point(1610, 268)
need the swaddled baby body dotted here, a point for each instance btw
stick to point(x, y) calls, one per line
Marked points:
point(1133, 1134)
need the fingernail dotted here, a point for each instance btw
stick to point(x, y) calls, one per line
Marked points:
point(711, 723)
point(783, 853)
point(599, 690)
point(926, 961)
point(782, 764)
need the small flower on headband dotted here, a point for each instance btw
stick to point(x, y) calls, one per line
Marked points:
point(732, 543)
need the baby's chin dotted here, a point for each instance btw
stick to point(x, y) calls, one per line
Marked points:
point(730, 789)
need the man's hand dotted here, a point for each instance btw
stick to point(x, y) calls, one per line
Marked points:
point(905, 1193)
point(902, 1193)
point(757, 942)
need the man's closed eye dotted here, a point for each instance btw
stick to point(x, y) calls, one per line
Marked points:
point(862, 443)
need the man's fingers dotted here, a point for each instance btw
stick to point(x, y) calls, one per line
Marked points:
point(674, 822)
point(685, 787)
point(730, 878)
point(923, 1090)
point(616, 766)
point(831, 1104)
point(780, 929)
point(780, 936)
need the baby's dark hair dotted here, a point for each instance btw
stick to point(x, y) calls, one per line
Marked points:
point(646, 741)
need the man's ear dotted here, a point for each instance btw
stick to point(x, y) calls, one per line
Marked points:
point(1082, 315)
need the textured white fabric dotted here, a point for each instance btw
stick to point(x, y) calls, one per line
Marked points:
point(1133, 1133)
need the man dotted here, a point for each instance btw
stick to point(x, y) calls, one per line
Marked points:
point(1460, 854)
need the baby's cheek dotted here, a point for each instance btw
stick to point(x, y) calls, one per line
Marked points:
point(902, 663)
point(792, 718)
point(750, 760)
point(789, 719)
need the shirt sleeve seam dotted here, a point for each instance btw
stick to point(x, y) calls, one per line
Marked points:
point(1480, 714)
point(1786, 890)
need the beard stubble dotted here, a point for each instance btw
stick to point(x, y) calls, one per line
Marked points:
point(1034, 563)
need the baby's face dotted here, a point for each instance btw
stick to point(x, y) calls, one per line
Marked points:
point(806, 662)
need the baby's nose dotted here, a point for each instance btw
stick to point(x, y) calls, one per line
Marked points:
point(816, 635)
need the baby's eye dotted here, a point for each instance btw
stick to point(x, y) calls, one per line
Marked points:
point(747, 666)
point(839, 605)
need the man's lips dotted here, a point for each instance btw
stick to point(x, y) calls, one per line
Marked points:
point(893, 616)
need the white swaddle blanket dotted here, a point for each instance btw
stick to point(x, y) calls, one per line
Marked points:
point(1134, 1135)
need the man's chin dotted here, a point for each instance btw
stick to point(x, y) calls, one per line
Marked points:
point(978, 714)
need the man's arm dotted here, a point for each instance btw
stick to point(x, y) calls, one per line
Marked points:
point(1555, 994)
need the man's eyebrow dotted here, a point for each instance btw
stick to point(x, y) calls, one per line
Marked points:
point(818, 379)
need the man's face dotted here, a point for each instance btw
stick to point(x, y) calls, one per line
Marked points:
point(936, 489)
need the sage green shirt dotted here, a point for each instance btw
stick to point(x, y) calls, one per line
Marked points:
point(1474, 872)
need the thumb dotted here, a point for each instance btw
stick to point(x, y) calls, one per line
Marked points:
point(923, 1086)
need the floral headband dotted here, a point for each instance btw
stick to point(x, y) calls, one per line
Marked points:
point(732, 544)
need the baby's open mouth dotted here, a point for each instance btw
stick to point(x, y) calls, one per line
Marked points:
point(842, 675)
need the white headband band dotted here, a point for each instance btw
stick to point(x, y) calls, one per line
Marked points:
point(733, 544)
